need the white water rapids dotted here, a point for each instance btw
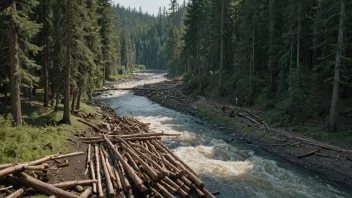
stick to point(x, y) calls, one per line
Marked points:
point(234, 169)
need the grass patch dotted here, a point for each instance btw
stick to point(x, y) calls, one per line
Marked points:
point(40, 135)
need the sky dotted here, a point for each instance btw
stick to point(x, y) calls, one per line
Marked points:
point(152, 6)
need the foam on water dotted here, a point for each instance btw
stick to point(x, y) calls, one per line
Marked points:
point(200, 159)
point(234, 169)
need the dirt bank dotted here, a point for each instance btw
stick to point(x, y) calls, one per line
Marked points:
point(331, 162)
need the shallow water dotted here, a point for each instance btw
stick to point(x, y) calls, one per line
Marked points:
point(231, 167)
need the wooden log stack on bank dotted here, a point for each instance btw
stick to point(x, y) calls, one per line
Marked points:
point(129, 160)
point(124, 159)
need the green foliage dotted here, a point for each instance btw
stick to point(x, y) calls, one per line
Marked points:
point(25, 143)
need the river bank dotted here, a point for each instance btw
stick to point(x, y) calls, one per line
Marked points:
point(333, 164)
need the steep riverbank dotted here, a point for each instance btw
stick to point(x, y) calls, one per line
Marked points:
point(326, 162)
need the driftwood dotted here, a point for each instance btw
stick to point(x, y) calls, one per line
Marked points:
point(88, 160)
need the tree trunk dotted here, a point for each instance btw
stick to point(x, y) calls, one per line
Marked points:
point(46, 60)
point(57, 98)
point(15, 72)
point(221, 77)
point(78, 103)
point(298, 43)
point(271, 40)
point(290, 75)
point(66, 117)
point(335, 94)
point(74, 94)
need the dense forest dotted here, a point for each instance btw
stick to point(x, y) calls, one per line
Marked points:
point(289, 57)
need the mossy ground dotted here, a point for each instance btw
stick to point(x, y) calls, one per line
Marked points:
point(41, 134)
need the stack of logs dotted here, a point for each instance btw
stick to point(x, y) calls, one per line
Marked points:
point(19, 176)
point(127, 159)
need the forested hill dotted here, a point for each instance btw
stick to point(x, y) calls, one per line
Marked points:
point(144, 37)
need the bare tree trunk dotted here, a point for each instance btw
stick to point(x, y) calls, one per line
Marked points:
point(57, 99)
point(46, 60)
point(74, 94)
point(14, 72)
point(291, 56)
point(298, 43)
point(335, 94)
point(271, 45)
point(66, 117)
point(221, 77)
point(251, 66)
point(78, 104)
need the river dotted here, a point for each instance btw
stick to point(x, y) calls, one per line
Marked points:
point(229, 166)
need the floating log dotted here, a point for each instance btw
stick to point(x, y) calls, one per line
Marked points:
point(156, 193)
point(43, 187)
point(131, 136)
point(17, 193)
point(6, 188)
point(71, 184)
point(207, 193)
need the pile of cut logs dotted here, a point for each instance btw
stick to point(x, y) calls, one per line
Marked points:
point(127, 159)
point(26, 178)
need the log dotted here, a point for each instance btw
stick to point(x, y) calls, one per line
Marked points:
point(92, 172)
point(183, 185)
point(175, 186)
point(88, 160)
point(118, 182)
point(156, 193)
point(165, 192)
point(111, 172)
point(44, 187)
point(97, 163)
point(97, 129)
point(145, 166)
point(21, 167)
point(126, 139)
point(86, 193)
point(107, 176)
point(131, 136)
point(71, 184)
point(127, 89)
point(177, 158)
point(167, 186)
point(199, 192)
point(6, 188)
point(17, 193)
point(2, 166)
point(308, 154)
point(208, 194)
point(138, 181)
point(326, 146)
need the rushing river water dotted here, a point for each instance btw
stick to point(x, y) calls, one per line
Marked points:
point(231, 167)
